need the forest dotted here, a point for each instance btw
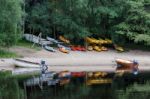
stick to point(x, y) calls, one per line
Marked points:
point(123, 21)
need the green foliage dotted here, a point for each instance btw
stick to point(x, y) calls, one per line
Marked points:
point(9, 88)
point(27, 44)
point(10, 21)
point(135, 92)
point(136, 22)
point(120, 20)
point(38, 18)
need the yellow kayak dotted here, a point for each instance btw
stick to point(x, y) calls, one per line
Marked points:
point(119, 48)
point(96, 48)
point(64, 39)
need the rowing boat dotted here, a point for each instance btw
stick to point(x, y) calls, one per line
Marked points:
point(26, 64)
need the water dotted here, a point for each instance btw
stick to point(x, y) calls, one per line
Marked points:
point(126, 87)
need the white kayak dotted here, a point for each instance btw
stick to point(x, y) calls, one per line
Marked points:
point(25, 64)
point(53, 40)
point(48, 48)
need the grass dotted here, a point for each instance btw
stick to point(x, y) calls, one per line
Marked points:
point(25, 43)
point(7, 54)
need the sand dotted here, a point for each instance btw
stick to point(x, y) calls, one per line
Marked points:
point(76, 58)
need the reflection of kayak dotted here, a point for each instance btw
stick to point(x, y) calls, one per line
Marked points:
point(98, 81)
point(78, 74)
point(63, 50)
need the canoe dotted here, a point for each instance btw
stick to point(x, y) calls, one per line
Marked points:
point(26, 64)
point(48, 48)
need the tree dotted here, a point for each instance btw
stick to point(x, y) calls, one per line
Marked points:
point(136, 22)
point(10, 21)
point(38, 17)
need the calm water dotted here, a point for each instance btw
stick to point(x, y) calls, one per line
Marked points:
point(126, 87)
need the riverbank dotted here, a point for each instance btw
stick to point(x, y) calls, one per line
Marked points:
point(78, 61)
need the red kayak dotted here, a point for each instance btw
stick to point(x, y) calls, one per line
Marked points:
point(78, 48)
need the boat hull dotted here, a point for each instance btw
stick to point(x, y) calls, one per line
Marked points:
point(26, 65)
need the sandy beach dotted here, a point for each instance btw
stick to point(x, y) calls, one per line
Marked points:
point(77, 58)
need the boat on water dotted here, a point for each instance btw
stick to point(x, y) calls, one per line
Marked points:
point(26, 64)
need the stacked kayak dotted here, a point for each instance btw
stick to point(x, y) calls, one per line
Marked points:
point(65, 40)
point(98, 41)
point(97, 48)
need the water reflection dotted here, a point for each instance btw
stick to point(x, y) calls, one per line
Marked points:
point(126, 87)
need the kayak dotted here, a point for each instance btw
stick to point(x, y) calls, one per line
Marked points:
point(64, 39)
point(96, 48)
point(53, 40)
point(127, 66)
point(90, 48)
point(62, 46)
point(48, 48)
point(77, 48)
point(63, 50)
point(124, 62)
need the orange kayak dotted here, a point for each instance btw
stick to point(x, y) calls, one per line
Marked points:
point(63, 50)
point(126, 64)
